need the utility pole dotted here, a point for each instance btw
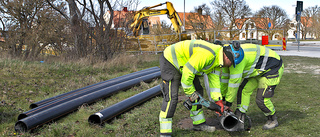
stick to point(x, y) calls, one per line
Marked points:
point(299, 9)
point(184, 15)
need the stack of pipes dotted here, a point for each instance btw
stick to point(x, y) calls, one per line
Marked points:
point(55, 107)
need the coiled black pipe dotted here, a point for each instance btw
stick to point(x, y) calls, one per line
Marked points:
point(60, 110)
point(82, 92)
point(118, 79)
point(125, 105)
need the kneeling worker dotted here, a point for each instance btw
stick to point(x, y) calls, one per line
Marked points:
point(261, 71)
point(182, 63)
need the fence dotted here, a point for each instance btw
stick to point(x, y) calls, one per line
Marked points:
point(157, 43)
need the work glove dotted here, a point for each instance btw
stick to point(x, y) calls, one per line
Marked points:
point(215, 107)
point(201, 101)
point(191, 99)
point(220, 103)
point(227, 106)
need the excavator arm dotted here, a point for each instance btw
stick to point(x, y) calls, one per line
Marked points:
point(148, 11)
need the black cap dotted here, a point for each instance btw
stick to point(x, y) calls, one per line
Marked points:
point(218, 42)
point(227, 50)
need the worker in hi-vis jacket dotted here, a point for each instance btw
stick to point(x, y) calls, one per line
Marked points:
point(181, 64)
point(261, 71)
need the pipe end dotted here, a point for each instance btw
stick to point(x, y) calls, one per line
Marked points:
point(20, 127)
point(22, 116)
point(32, 106)
point(95, 119)
point(230, 123)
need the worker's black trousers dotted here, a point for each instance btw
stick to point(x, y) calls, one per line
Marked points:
point(171, 80)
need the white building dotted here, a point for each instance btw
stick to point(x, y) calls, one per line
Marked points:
point(292, 32)
point(252, 28)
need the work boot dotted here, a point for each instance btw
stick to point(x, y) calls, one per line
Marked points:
point(204, 127)
point(167, 135)
point(241, 116)
point(271, 123)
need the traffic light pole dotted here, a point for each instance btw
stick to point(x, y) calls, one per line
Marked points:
point(299, 35)
point(299, 9)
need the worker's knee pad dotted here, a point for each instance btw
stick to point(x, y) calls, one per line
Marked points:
point(259, 97)
point(260, 101)
point(269, 91)
point(165, 90)
point(170, 98)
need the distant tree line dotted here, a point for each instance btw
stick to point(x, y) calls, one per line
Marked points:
point(78, 28)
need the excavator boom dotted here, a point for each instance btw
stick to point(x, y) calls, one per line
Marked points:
point(148, 11)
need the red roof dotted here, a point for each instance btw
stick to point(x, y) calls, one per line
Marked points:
point(260, 23)
point(190, 15)
point(1, 38)
point(306, 21)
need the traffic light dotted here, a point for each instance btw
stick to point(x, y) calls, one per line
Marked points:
point(299, 9)
point(299, 6)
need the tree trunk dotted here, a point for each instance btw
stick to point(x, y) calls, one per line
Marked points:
point(77, 30)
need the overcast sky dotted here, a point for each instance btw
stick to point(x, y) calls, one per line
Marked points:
point(255, 5)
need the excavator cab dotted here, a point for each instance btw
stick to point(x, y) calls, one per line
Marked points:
point(145, 26)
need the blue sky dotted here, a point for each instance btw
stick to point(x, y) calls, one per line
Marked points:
point(255, 5)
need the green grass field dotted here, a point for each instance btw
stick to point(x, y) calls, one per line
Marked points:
point(24, 82)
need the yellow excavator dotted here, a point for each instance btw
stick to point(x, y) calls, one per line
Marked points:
point(140, 18)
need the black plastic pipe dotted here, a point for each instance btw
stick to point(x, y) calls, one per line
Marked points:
point(82, 92)
point(123, 106)
point(118, 79)
point(60, 110)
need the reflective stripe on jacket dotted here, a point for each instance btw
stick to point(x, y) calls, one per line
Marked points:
point(258, 60)
point(196, 57)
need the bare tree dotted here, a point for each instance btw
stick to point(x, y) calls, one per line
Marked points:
point(162, 28)
point(316, 25)
point(22, 15)
point(308, 20)
point(272, 17)
point(200, 21)
point(233, 10)
point(2, 23)
point(76, 23)
point(218, 19)
point(107, 40)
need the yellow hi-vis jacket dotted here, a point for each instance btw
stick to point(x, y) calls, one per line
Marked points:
point(258, 60)
point(197, 57)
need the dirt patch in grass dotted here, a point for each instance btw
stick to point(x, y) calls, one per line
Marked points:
point(186, 123)
point(301, 68)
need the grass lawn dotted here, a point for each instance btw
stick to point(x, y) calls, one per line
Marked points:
point(24, 82)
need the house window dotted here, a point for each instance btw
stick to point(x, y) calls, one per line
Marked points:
point(276, 36)
point(292, 25)
point(155, 25)
point(199, 26)
point(251, 35)
point(252, 25)
point(243, 35)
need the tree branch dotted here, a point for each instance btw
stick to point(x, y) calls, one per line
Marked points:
point(54, 7)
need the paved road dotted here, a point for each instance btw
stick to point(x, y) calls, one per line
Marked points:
point(306, 49)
